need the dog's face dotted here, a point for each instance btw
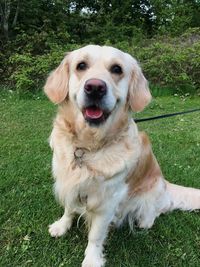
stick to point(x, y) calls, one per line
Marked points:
point(100, 82)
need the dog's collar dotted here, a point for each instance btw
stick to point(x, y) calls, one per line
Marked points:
point(78, 155)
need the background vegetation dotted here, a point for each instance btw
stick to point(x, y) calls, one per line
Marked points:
point(164, 35)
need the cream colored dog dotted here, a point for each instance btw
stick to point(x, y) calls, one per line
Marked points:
point(104, 168)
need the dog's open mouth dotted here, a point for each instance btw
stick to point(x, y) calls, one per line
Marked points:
point(95, 115)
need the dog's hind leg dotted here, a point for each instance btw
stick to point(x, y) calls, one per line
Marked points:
point(60, 227)
point(163, 198)
point(144, 208)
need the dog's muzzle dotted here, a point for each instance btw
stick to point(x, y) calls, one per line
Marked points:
point(95, 91)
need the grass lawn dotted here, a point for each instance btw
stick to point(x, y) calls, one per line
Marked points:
point(28, 205)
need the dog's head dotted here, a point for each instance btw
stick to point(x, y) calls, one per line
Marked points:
point(100, 82)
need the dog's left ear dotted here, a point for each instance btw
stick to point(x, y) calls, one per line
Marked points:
point(139, 94)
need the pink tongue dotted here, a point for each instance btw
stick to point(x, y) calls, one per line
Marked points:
point(93, 113)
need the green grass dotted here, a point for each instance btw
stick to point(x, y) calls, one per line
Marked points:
point(28, 205)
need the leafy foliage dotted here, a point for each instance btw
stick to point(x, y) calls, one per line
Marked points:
point(171, 62)
point(36, 34)
point(29, 71)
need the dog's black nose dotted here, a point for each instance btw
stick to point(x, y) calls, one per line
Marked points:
point(95, 88)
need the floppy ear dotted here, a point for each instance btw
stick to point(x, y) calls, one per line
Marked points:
point(139, 94)
point(56, 87)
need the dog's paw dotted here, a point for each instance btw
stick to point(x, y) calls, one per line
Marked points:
point(93, 262)
point(145, 224)
point(59, 228)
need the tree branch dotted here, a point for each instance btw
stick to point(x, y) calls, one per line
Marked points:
point(16, 15)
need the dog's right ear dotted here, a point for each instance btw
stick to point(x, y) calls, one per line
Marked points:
point(56, 87)
point(139, 93)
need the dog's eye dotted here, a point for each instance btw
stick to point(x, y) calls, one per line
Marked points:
point(116, 69)
point(82, 66)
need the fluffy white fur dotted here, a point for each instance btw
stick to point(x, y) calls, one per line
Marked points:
point(119, 177)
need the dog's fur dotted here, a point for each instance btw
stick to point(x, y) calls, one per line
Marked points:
point(119, 176)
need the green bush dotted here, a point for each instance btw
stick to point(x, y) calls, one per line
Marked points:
point(30, 72)
point(170, 62)
point(171, 65)
point(167, 62)
point(28, 59)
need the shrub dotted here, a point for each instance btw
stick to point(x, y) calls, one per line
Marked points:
point(171, 65)
point(29, 71)
point(167, 62)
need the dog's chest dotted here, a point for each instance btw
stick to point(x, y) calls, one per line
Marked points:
point(89, 180)
point(92, 194)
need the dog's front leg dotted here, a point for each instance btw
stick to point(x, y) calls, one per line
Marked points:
point(59, 227)
point(97, 234)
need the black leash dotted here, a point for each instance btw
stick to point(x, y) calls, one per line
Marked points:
point(166, 115)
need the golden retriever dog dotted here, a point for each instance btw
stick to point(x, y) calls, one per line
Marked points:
point(104, 168)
